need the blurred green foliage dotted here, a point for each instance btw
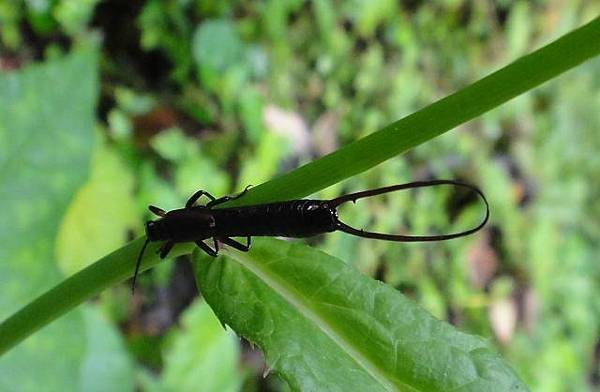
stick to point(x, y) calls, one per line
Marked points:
point(199, 356)
point(45, 159)
point(220, 95)
point(90, 218)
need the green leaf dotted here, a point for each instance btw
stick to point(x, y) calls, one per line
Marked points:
point(262, 164)
point(251, 114)
point(174, 146)
point(202, 355)
point(370, 14)
point(74, 15)
point(200, 169)
point(322, 324)
point(191, 163)
point(100, 215)
point(46, 137)
point(216, 47)
point(105, 358)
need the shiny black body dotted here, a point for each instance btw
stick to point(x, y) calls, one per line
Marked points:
point(295, 218)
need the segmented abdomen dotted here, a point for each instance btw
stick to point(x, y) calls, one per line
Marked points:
point(298, 218)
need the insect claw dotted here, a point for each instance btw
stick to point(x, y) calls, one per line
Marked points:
point(157, 211)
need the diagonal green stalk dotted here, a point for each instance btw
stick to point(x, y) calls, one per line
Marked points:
point(493, 90)
point(427, 123)
point(91, 281)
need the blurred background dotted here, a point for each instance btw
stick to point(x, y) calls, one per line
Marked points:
point(178, 95)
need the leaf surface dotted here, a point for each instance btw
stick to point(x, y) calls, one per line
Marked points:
point(322, 324)
point(202, 355)
point(101, 213)
point(46, 139)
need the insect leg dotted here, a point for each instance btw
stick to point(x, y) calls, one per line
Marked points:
point(223, 199)
point(157, 211)
point(235, 244)
point(196, 196)
point(207, 249)
point(137, 264)
point(164, 250)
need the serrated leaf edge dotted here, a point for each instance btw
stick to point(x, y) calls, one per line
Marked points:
point(327, 329)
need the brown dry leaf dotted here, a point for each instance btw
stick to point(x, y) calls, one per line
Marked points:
point(518, 191)
point(156, 120)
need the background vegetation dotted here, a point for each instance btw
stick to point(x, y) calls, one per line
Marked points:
point(219, 95)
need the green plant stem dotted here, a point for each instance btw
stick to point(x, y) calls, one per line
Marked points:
point(443, 115)
point(493, 90)
point(85, 284)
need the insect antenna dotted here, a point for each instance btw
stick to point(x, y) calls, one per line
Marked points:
point(407, 238)
point(137, 264)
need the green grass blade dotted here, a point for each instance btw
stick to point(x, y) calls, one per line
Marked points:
point(85, 284)
point(324, 325)
point(493, 90)
point(484, 95)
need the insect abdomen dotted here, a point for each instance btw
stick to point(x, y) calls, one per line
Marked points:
point(298, 218)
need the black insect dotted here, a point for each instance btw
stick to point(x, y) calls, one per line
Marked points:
point(294, 218)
